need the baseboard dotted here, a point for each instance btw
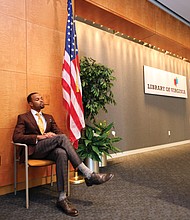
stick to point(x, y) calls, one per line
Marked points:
point(32, 183)
point(21, 185)
point(147, 149)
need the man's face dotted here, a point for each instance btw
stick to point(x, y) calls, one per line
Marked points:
point(37, 102)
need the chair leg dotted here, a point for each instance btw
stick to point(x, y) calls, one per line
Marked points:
point(15, 171)
point(27, 193)
point(52, 175)
point(68, 184)
point(26, 174)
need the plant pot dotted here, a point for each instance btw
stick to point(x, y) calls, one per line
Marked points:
point(103, 162)
point(92, 164)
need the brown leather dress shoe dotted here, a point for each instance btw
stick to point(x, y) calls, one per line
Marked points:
point(98, 178)
point(67, 207)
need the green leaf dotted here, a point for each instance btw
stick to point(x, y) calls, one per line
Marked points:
point(89, 133)
point(87, 142)
point(95, 149)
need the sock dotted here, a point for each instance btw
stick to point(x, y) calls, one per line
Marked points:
point(62, 195)
point(85, 170)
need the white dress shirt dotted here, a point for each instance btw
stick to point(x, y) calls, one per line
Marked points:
point(36, 117)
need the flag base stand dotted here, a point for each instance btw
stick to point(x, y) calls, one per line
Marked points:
point(76, 179)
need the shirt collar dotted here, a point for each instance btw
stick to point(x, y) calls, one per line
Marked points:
point(34, 112)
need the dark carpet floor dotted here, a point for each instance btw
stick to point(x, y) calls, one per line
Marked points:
point(147, 186)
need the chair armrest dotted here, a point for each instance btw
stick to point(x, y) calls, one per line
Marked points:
point(19, 144)
point(25, 149)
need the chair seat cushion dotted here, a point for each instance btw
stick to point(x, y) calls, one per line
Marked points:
point(39, 163)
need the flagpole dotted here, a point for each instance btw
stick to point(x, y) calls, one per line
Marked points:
point(73, 4)
point(76, 179)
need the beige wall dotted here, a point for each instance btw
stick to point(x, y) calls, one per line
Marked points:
point(141, 120)
point(32, 35)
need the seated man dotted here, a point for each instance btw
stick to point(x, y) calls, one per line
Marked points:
point(46, 141)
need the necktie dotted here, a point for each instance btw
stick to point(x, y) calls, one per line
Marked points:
point(40, 123)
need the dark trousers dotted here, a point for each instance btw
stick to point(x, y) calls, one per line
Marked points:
point(60, 150)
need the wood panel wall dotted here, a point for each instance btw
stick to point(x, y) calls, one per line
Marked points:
point(32, 35)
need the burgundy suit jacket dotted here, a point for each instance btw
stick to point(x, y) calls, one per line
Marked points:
point(26, 130)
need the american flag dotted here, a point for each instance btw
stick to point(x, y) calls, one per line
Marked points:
point(71, 84)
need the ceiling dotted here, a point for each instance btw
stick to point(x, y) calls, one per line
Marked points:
point(180, 9)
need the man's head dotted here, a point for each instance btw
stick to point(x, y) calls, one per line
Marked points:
point(35, 101)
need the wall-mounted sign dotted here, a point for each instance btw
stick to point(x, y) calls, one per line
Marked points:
point(160, 82)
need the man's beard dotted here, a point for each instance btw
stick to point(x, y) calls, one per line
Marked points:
point(42, 106)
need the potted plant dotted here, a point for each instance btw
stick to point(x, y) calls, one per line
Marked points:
point(97, 81)
point(96, 140)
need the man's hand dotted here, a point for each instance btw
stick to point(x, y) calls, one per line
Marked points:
point(46, 135)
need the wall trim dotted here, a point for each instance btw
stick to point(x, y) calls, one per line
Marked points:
point(21, 185)
point(32, 183)
point(147, 149)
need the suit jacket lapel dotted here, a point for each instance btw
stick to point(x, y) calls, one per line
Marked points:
point(30, 116)
point(48, 119)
